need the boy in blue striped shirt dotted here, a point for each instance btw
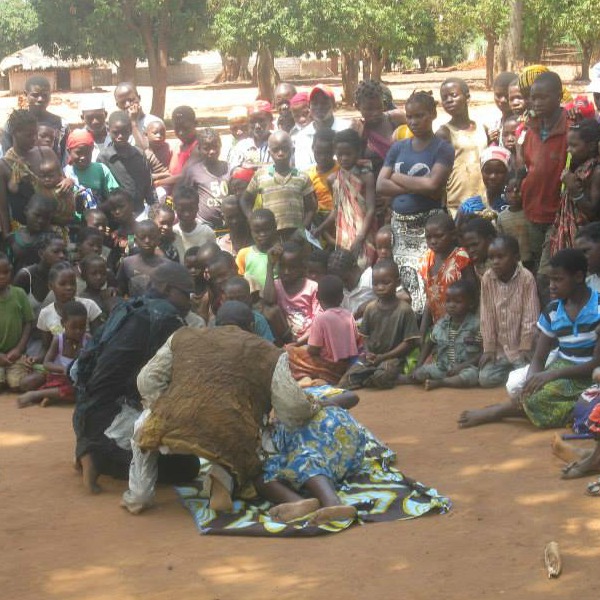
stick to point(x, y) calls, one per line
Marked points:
point(569, 320)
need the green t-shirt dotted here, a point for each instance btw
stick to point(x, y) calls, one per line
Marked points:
point(98, 178)
point(15, 311)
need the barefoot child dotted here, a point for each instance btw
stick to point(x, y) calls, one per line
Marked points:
point(333, 339)
point(390, 329)
point(354, 200)
point(455, 341)
point(570, 320)
point(509, 311)
point(295, 295)
point(64, 349)
point(16, 321)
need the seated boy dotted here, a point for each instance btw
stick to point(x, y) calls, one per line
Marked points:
point(509, 311)
point(390, 328)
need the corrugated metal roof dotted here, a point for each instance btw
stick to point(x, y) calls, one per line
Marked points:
point(33, 59)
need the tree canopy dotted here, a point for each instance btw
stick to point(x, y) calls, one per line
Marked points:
point(18, 24)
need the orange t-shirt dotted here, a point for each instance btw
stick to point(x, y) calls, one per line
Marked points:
point(321, 187)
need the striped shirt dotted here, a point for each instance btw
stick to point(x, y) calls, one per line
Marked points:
point(509, 311)
point(283, 195)
point(576, 339)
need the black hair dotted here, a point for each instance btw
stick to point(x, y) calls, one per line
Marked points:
point(341, 261)
point(264, 214)
point(212, 247)
point(510, 242)
point(37, 80)
point(85, 233)
point(511, 117)
point(156, 209)
point(442, 219)
point(118, 116)
point(231, 200)
point(514, 82)
point(185, 192)
point(37, 200)
point(571, 260)
point(237, 313)
point(425, 99)
point(224, 258)
point(4, 257)
point(480, 226)
point(292, 248)
point(319, 256)
point(173, 275)
point(589, 132)
point(20, 119)
point(467, 288)
point(387, 230)
point(73, 308)
point(550, 79)
point(46, 240)
point(325, 135)
point(208, 134)
point(88, 261)
point(348, 136)
point(191, 252)
point(126, 85)
point(367, 89)
point(386, 263)
point(388, 99)
point(461, 83)
point(184, 112)
point(120, 194)
point(239, 282)
point(93, 211)
point(57, 269)
point(503, 79)
point(146, 224)
point(331, 290)
point(591, 232)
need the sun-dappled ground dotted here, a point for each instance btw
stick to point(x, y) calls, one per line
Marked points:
point(59, 543)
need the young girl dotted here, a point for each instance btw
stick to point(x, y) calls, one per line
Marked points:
point(64, 349)
point(95, 274)
point(477, 235)
point(333, 339)
point(468, 139)
point(443, 264)
point(22, 244)
point(164, 217)
point(354, 201)
point(414, 176)
point(295, 295)
point(456, 340)
point(580, 195)
point(495, 167)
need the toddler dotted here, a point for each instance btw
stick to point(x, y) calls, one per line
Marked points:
point(158, 153)
point(512, 221)
point(94, 274)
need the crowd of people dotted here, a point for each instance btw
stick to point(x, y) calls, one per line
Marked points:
point(312, 251)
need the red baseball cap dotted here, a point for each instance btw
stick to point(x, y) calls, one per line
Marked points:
point(323, 89)
point(261, 106)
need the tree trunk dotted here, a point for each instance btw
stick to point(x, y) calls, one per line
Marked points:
point(335, 64)
point(244, 72)
point(365, 55)
point(127, 62)
point(377, 62)
point(489, 62)
point(350, 66)
point(422, 63)
point(515, 37)
point(266, 76)
point(586, 57)
point(157, 53)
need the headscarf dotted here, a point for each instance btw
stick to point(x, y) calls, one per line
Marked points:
point(299, 98)
point(495, 153)
point(79, 137)
point(528, 76)
point(261, 106)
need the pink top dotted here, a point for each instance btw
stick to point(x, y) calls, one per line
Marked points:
point(301, 309)
point(335, 332)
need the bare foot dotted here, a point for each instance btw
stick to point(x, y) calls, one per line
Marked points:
point(90, 475)
point(582, 467)
point(432, 384)
point(290, 511)
point(473, 418)
point(220, 498)
point(567, 452)
point(26, 399)
point(305, 382)
point(333, 513)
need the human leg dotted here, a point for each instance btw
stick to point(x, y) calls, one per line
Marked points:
point(332, 508)
point(289, 505)
point(16, 372)
point(494, 374)
point(385, 375)
point(467, 378)
point(490, 414)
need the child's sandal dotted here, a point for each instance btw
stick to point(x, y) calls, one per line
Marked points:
point(593, 488)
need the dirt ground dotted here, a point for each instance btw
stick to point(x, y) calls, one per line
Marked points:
point(59, 543)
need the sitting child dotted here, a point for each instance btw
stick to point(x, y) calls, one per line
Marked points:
point(94, 274)
point(332, 343)
point(16, 321)
point(238, 288)
point(189, 231)
point(164, 217)
point(252, 261)
point(477, 235)
point(456, 341)
point(390, 329)
point(442, 264)
point(133, 276)
point(64, 349)
point(509, 311)
point(22, 244)
point(295, 295)
point(571, 320)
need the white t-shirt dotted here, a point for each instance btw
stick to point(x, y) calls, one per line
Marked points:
point(304, 158)
point(50, 320)
point(184, 241)
point(593, 281)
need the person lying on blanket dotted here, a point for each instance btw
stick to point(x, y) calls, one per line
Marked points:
point(210, 392)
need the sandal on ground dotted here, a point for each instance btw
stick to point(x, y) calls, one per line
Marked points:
point(575, 471)
point(593, 488)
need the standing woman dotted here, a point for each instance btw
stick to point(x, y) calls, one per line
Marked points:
point(469, 140)
point(414, 176)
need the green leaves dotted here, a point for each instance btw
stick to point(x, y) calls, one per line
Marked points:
point(18, 22)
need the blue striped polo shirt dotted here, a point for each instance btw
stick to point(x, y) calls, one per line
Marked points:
point(576, 339)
